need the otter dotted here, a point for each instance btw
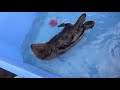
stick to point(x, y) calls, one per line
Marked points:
point(63, 41)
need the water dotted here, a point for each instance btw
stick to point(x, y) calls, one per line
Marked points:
point(97, 55)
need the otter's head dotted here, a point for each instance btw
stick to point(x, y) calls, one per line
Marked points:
point(40, 50)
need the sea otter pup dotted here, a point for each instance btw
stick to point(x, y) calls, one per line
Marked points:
point(63, 41)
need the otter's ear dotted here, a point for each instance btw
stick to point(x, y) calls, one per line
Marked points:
point(89, 24)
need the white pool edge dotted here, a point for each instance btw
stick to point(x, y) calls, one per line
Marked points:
point(24, 74)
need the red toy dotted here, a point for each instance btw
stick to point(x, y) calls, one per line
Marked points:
point(53, 22)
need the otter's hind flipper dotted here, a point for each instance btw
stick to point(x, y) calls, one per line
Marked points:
point(89, 24)
point(65, 24)
point(80, 20)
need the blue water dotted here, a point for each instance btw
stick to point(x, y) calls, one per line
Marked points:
point(96, 55)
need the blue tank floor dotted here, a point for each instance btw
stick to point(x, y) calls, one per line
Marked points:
point(96, 55)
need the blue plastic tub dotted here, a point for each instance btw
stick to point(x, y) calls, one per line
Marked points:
point(96, 55)
point(13, 28)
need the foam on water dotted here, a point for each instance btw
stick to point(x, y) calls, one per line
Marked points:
point(96, 55)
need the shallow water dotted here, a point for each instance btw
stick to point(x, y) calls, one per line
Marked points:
point(96, 55)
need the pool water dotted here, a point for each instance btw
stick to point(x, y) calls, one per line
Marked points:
point(97, 55)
